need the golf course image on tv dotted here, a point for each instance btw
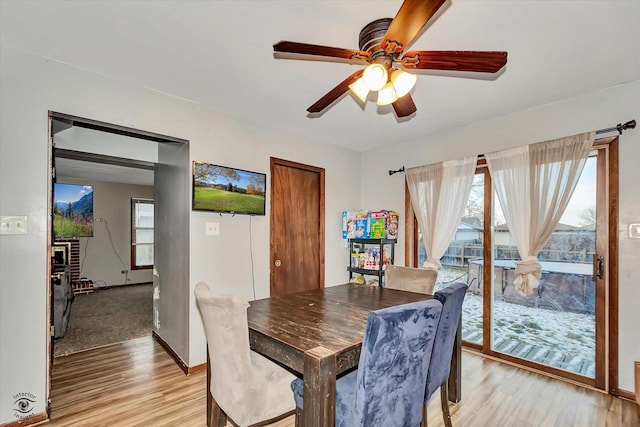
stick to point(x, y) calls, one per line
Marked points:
point(228, 190)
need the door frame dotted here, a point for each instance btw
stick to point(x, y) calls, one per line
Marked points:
point(67, 121)
point(274, 161)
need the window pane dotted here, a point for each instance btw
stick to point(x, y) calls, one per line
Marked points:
point(144, 255)
point(142, 233)
point(462, 262)
point(144, 215)
point(144, 236)
point(556, 325)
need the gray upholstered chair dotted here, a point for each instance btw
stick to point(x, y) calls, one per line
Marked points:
point(387, 388)
point(420, 280)
point(451, 298)
point(243, 385)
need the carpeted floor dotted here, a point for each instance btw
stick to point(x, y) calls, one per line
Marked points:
point(107, 316)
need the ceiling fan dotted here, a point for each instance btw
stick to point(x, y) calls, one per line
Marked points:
point(382, 43)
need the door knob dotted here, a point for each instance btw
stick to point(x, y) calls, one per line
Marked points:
point(278, 263)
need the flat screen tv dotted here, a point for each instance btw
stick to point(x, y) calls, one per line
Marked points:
point(72, 210)
point(228, 190)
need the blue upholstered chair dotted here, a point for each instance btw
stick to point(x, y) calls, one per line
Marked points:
point(387, 389)
point(241, 384)
point(451, 298)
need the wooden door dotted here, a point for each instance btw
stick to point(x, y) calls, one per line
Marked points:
point(297, 227)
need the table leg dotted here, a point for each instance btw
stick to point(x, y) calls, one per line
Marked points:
point(455, 374)
point(319, 388)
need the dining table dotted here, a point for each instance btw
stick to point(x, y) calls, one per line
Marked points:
point(318, 335)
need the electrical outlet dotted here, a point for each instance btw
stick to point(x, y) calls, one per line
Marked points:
point(212, 229)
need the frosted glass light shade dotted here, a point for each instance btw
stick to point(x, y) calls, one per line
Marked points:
point(402, 82)
point(375, 76)
point(387, 95)
point(360, 89)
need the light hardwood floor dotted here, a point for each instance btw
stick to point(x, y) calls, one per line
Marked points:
point(137, 384)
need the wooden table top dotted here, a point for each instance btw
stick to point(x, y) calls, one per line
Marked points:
point(286, 327)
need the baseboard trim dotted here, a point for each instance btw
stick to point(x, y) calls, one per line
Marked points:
point(34, 419)
point(183, 366)
point(197, 368)
point(119, 285)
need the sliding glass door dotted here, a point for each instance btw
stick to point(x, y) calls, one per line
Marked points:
point(561, 328)
point(556, 325)
point(463, 261)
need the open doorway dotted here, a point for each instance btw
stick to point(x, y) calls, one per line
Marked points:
point(101, 295)
point(107, 251)
point(96, 219)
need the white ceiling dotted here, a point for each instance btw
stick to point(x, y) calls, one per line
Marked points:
point(219, 54)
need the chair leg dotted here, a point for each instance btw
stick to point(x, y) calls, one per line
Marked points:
point(215, 415)
point(298, 417)
point(444, 398)
point(424, 422)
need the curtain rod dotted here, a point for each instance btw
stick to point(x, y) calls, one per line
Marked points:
point(620, 127)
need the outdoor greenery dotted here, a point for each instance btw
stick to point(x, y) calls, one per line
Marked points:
point(208, 198)
point(71, 226)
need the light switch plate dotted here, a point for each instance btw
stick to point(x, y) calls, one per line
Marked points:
point(634, 231)
point(13, 225)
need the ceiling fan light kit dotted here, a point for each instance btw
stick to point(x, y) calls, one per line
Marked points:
point(360, 89)
point(387, 95)
point(402, 82)
point(375, 76)
point(382, 43)
point(398, 85)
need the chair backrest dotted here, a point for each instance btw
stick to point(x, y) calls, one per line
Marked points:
point(451, 298)
point(225, 325)
point(393, 365)
point(420, 280)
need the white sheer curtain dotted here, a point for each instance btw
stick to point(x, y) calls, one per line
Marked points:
point(534, 184)
point(439, 194)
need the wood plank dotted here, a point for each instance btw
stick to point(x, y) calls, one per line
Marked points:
point(137, 383)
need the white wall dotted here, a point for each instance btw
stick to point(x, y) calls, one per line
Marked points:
point(30, 87)
point(100, 261)
point(592, 111)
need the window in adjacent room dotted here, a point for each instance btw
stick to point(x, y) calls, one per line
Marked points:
point(141, 233)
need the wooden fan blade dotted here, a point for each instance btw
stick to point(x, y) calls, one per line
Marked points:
point(355, 56)
point(409, 20)
point(404, 106)
point(334, 93)
point(484, 62)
